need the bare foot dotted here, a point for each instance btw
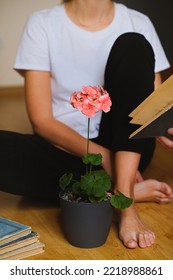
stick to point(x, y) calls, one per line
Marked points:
point(152, 191)
point(132, 231)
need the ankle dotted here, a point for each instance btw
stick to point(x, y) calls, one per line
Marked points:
point(128, 211)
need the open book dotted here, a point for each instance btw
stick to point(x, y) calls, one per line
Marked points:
point(155, 114)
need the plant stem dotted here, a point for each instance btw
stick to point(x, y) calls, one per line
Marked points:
point(88, 135)
point(90, 168)
point(88, 132)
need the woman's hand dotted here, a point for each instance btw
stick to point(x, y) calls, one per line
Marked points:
point(166, 142)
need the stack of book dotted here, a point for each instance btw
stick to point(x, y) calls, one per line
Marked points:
point(18, 241)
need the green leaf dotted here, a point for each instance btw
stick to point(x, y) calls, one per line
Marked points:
point(98, 188)
point(94, 159)
point(76, 188)
point(102, 183)
point(96, 184)
point(65, 180)
point(121, 201)
point(87, 183)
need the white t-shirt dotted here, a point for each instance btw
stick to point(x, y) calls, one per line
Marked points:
point(75, 57)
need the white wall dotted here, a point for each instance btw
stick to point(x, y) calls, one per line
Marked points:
point(13, 15)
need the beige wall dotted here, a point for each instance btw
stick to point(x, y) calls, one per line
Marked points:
point(13, 15)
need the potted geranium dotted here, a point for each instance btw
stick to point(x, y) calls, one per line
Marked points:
point(87, 202)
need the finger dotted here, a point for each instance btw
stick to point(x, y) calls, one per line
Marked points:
point(167, 143)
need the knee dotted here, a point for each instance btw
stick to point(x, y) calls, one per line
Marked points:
point(133, 43)
point(130, 53)
point(131, 37)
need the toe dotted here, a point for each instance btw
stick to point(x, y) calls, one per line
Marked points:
point(146, 239)
point(131, 244)
point(166, 189)
point(142, 240)
point(163, 199)
point(149, 238)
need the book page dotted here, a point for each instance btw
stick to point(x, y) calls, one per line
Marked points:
point(157, 127)
point(158, 102)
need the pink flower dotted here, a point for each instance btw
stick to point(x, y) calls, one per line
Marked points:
point(91, 100)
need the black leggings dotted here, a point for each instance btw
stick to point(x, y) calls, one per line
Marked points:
point(31, 166)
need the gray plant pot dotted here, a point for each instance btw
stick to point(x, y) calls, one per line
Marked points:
point(86, 225)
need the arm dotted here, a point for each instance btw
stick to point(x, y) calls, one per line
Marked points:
point(126, 163)
point(39, 107)
point(158, 80)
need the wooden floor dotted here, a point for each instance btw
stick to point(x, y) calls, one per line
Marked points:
point(45, 218)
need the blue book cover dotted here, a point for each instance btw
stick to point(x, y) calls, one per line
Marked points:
point(10, 230)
